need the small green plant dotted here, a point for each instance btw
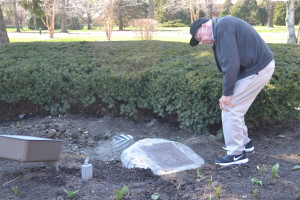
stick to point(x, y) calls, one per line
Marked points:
point(71, 194)
point(218, 191)
point(275, 171)
point(209, 198)
point(256, 181)
point(155, 196)
point(255, 193)
point(15, 190)
point(220, 134)
point(18, 124)
point(178, 187)
point(297, 167)
point(262, 169)
point(198, 174)
point(210, 181)
point(121, 193)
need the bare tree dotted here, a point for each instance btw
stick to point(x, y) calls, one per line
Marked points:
point(22, 15)
point(208, 7)
point(17, 21)
point(290, 21)
point(45, 9)
point(270, 4)
point(63, 15)
point(144, 28)
point(193, 6)
point(87, 10)
point(107, 12)
point(3, 32)
point(10, 11)
point(50, 11)
point(151, 9)
point(120, 6)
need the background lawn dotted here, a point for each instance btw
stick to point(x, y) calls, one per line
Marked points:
point(278, 34)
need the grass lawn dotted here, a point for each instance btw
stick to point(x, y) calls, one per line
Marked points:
point(278, 34)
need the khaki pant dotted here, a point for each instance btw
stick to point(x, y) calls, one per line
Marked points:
point(245, 91)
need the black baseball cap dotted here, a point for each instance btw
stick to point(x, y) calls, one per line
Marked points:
point(194, 28)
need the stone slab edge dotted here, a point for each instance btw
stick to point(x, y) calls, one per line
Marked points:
point(137, 161)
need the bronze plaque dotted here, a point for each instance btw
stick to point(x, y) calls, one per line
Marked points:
point(167, 156)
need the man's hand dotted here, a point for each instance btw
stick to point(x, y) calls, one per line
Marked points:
point(225, 101)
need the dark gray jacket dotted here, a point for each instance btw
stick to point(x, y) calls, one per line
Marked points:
point(239, 51)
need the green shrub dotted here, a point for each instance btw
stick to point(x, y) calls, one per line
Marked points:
point(225, 9)
point(168, 78)
point(262, 14)
point(279, 14)
point(74, 24)
point(174, 23)
point(35, 23)
point(246, 10)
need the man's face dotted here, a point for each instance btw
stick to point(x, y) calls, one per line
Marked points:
point(204, 34)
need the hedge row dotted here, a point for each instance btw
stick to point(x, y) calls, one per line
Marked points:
point(166, 77)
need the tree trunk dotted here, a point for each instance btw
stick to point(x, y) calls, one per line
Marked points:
point(63, 22)
point(209, 9)
point(17, 21)
point(121, 24)
point(151, 9)
point(52, 20)
point(270, 9)
point(3, 32)
point(290, 21)
point(89, 21)
point(108, 18)
point(194, 10)
point(191, 8)
point(51, 32)
point(50, 16)
point(298, 37)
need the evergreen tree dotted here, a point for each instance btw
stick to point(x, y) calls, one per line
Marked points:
point(246, 10)
point(262, 14)
point(160, 13)
point(225, 10)
point(279, 14)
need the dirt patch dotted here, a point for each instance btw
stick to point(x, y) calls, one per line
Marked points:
point(85, 136)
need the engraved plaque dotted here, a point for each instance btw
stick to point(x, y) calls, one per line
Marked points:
point(167, 156)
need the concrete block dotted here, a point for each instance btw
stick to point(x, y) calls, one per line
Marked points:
point(29, 149)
